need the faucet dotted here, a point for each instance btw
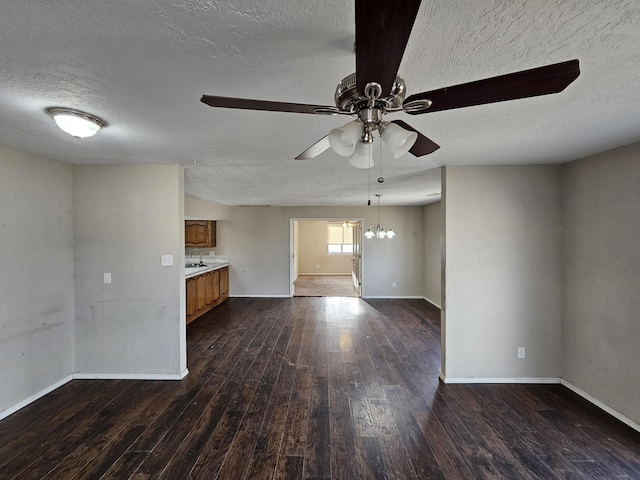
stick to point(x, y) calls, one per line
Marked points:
point(199, 253)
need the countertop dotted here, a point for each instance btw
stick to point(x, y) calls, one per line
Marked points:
point(210, 265)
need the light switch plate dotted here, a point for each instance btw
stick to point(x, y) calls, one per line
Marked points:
point(107, 277)
point(166, 260)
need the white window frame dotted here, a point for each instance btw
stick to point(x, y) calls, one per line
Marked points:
point(344, 243)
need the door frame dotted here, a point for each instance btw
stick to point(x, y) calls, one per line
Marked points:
point(292, 260)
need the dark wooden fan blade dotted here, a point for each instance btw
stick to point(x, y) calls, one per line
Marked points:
point(248, 104)
point(527, 83)
point(315, 149)
point(382, 31)
point(423, 145)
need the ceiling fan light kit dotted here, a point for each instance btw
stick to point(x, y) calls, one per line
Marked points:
point(75, 122)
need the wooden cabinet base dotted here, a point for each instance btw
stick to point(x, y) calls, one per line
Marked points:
point(206, 291)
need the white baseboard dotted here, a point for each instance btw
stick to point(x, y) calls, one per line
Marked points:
point(548, 380)
point(398, 297)
point(433, 303)
point(325, 274)
point(260, 296)
point(33, 398)
point(92, 376)
point(602, 405)
point(131, 376)
point(538, 380)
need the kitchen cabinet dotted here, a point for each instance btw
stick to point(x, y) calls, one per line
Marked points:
point(206, 291)
point(224, 282)
point(200, 233)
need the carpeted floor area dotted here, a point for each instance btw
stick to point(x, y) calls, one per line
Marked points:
point(324, 286)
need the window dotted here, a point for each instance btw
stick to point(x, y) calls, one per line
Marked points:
point(340, 238)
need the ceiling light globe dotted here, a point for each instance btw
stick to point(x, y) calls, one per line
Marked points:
point(362, 157)
point(398, 139)
point(343, 140)
point(76, 123)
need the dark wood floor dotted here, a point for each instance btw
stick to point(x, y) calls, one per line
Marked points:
point(314, 388)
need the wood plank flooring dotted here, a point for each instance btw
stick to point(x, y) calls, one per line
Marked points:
point(314, 388)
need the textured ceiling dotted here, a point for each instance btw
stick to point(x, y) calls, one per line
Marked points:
point(143, 66)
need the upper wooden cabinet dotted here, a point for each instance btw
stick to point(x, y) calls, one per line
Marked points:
point(200, 233)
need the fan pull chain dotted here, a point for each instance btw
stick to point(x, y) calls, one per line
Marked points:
point(380, 178)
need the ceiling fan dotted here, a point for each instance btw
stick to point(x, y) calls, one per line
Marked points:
point(382, 32)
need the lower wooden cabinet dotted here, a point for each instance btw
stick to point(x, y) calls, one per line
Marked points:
point(205, 291)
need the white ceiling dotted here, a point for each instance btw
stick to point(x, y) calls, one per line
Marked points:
point(143, 66)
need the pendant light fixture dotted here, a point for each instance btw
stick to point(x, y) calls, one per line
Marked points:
point(378, 230)
point(76, 123)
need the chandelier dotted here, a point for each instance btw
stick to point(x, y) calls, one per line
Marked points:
point(378, 230)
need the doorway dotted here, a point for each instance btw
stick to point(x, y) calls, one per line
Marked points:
point(326, 257)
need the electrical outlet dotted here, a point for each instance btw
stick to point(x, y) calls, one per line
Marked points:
point(317, 266)
point(521, 352)
point(394, 284)
point(166, 260)
point(106, 278)
point(212, 253)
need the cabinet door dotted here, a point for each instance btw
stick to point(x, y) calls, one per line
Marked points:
point(191, 296)
point(200, 291)
point(215, 285)
point(200, 233)
point(196, 233)
point(208, 288)
point(224, 281)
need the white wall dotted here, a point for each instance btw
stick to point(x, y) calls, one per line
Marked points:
point(125, 218)
point(313, 256)
point(194, 208)
point(36, 278)
point(257, 240)
point(503, 275)
point(601, 282)
point(433, 253)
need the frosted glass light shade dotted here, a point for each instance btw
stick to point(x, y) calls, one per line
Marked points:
point(76, 123)
point(398, 139)
point(362, 157)
point(343, 140)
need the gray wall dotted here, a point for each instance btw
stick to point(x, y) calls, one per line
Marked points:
point(433, 253)
point(601, 263)
point(125, 218)
point(257, 240)
point(36, 278)
point(503, 272)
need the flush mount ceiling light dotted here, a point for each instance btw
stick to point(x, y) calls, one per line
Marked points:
point(76, 123)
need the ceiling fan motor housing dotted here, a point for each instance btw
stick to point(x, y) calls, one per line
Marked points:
point(349, 100)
